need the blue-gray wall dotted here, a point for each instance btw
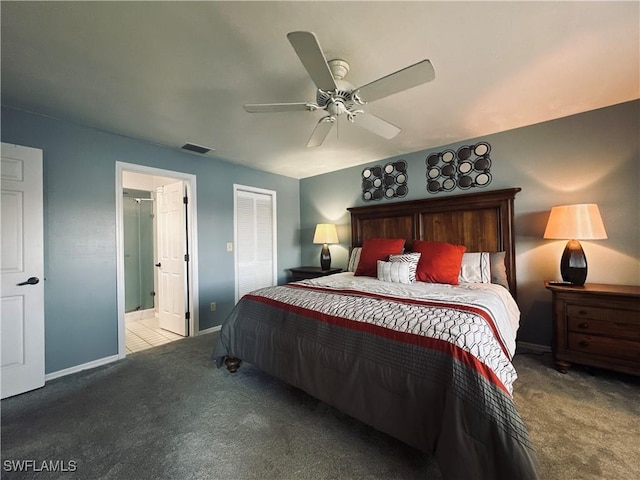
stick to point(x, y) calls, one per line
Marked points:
point(80, 229)
point(592, 157)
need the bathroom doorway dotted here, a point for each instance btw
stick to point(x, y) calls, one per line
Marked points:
point(140, 299)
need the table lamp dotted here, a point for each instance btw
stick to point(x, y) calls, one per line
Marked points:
point(574, 223)
point(325, 234)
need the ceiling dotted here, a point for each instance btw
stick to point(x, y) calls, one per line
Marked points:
point(176, 72)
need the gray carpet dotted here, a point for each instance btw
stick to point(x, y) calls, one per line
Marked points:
point(167, 413)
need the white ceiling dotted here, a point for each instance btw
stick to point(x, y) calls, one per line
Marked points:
point(176, 72)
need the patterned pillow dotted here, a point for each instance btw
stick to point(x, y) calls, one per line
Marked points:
point(354, 259)
point(409, 258)
point(396, 272)
point(475, 268)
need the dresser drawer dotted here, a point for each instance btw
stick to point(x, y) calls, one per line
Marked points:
point(605, 346)
point(600, 313)
point(619, 328)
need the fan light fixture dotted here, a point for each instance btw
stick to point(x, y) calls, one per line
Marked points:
point(325, 234)
point(337, 96)
point(575, 222)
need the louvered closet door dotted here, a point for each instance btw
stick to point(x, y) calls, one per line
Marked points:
point(255, 240)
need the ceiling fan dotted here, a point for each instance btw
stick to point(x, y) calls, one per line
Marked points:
point(337, 96)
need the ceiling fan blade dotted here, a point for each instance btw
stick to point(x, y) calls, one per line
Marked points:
point(417, 74)
point(377, 125)
point(276, 107)
point(320, 132)
point(308, 49)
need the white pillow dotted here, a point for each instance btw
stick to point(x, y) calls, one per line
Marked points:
point(396, 272)
point(475, 268)
point(354, 259)
point(411, 259)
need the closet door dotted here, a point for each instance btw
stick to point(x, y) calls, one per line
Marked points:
point(255, 239)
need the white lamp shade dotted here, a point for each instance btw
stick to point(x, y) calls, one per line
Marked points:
point(575, 222)
point(325, 233)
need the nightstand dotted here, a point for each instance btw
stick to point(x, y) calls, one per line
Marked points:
point(304, 273)
point(596, 325)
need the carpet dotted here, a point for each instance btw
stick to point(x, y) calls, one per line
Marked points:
point(168, 413)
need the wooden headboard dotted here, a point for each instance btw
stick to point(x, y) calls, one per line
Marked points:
point(483, 222)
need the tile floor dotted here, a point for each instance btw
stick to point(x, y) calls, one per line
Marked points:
point(146, 333)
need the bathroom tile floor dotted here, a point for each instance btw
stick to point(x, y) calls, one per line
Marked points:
point(146, 333)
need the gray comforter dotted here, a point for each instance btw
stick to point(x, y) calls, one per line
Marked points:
point(412, 368)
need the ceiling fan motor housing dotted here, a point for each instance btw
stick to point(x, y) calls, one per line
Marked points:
point(341, 94)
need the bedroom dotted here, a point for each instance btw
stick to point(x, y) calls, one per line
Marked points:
point(582, 154)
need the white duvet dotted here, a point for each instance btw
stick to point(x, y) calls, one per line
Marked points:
point(493, 298)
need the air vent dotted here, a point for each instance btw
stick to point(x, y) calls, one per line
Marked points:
point(192, 147)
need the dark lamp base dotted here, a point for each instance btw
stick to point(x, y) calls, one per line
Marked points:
point(325, 258)
point(573, 264)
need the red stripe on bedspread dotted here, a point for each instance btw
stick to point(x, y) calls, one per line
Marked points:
point(416, 301)
point(408, 338)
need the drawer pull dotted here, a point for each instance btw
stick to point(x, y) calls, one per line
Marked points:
point(582, 312)
point(583, 343)
point(583, 325)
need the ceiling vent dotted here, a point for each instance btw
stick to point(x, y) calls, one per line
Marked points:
point(192, 147)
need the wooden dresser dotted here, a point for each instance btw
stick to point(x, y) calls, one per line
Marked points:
point(596, 325)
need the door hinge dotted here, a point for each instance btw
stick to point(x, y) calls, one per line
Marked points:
point(187, 315)
point(153, 294)
point(185, 200)
point(186, 257)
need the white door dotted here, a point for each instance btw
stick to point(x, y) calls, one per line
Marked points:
point(255, 232)
point(172, 258)
point(22, 270)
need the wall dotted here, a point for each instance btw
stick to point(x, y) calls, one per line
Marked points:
point(592, 157)
point(80, 231)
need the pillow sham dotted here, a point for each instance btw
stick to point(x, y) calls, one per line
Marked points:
point(475, 268)
point(499, 269)
point(376, 249)
point(410, 259)
point(354, 258)
point(396, 272)
point(439, 262)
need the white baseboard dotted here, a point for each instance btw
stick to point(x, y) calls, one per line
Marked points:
point(209, 330)
point(79, 368)
point(104, 361)
point(532, 347)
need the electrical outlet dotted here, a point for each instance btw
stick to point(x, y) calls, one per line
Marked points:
point(213, 306)
point(229, 247)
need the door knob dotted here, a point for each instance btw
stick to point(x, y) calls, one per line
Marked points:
point(158, 264)
point(30, 281)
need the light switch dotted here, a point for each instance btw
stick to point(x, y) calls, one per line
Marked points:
point(229, 247)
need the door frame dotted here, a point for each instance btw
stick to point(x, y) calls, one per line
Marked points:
point(192, 239)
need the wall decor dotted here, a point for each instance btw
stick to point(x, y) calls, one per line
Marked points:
point(466, 168)
point(388, 181)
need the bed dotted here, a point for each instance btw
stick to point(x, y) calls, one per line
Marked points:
point(428, 363)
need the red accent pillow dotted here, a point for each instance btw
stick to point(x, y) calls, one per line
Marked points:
point(376, 249)
point(439, 262)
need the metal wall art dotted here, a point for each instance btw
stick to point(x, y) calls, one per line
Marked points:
point(389, 181)
point(466, 168)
